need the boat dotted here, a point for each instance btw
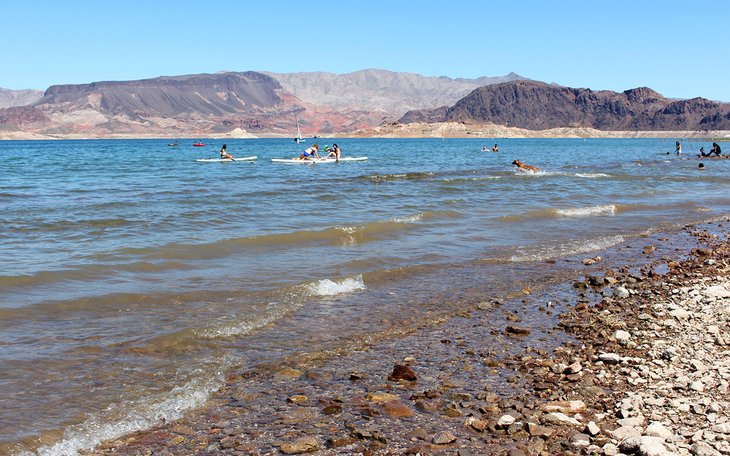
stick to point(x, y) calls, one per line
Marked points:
point(314, 161)
point(221, 160)
point(199, 144)
point(173, 144)
point(299, 138)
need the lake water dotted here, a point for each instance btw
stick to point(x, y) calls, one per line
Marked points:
point(132, 277)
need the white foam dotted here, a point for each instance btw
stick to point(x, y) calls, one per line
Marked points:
point(587, 211)
point(574, 248)
point(592, 175)
point(128, 418)
point(409, 219)
point(327, 287)
point(275, 312)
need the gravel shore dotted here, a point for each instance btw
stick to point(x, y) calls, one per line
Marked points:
point(638, 362)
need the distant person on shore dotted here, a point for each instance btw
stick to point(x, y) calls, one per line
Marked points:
point(334, 152)
point(225, 154)
point(310, 152)
point(678, 148)
point(495, 148)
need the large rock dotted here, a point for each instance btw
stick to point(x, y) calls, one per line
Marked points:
point(308, 444)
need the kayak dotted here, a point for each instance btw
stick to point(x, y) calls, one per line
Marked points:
point(198, 145)
point(317, 160)
point(219, 160)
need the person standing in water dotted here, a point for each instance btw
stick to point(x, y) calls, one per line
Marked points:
point(225, 154)
point(678, 148)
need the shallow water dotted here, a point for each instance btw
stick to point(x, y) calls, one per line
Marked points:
point(133, 277)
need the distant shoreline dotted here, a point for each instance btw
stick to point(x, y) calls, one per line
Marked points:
point(398, 130)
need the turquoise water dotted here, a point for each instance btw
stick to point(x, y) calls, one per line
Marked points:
point(133, 277)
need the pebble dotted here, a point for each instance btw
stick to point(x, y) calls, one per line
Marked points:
point(620, 292)
point(444, 438)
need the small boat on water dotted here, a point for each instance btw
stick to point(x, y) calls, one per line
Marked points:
point(199, 144)
point(173, 144)
point(299, 138)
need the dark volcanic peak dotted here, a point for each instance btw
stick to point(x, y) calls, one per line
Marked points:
point(169, 96)
point(538, 106)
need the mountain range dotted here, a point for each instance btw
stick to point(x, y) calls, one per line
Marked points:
point(535, 105)
point(242, 104)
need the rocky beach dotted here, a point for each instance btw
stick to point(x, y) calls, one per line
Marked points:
point(636, 363)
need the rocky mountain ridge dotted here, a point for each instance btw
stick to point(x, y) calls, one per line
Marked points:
point(535, 105)
point(234, 103)
point(244, 104)
point(13, 98)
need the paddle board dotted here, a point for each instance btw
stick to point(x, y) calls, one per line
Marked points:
point(317, 160)
point(217, 160)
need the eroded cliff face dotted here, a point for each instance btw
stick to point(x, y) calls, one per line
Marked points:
point(538, 106)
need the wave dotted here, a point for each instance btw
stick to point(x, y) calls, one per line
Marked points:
point(587, 211)
point(328, 287)
point(568, 249)
point(335, 235)
point(276, 310)
point(393, 177)
point(592, 175)
point(124, 418)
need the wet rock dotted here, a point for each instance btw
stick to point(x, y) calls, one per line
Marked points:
point(307, 444)
point(505, 421)
point(381, 397)
point(401, 372)
point(484, 305)
point(517, 330)
point(476, 424)
point(444, 438)
point(354, 376)
point(290, 373)
point(397, 409)
point(536, 430)
point(341, 441)
point(297, 399)
point(429, 406)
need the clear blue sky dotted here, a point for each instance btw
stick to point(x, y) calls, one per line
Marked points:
point(677, 47)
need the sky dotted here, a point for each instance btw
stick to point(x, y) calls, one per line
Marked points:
point(678, 48)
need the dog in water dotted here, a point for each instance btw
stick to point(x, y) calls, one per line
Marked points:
point(524, 167)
